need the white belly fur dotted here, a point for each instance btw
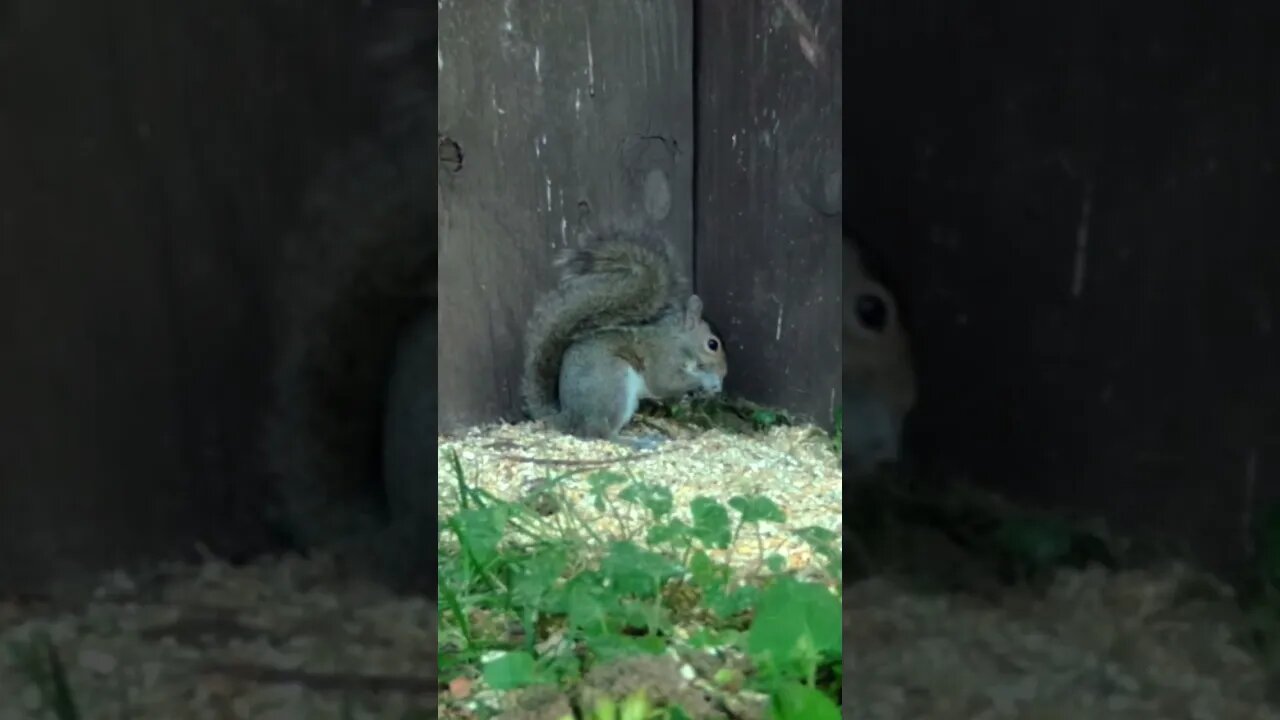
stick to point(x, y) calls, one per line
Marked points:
point(636, 389)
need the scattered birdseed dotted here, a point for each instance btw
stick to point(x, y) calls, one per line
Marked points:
point(795, 467)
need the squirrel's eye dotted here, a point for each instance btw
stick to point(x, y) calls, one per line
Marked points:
point(872, 312)
point(713, 344)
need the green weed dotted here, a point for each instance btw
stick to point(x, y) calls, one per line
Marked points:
point(721, 412)
point(527, 601)
point(837, 435)
point(39, 661)
point(1261, 593)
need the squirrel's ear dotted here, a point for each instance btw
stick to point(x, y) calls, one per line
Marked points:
point(693, 311)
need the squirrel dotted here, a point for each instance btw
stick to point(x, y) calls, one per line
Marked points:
point(349, 441)
point(612, 333)
point(879, 382)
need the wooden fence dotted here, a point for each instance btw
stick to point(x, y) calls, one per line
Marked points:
point(1077, 209)
point(570, 117)
point(1077, 215)
point(152, 158)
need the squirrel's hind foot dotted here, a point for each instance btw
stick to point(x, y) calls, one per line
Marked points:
point(643, 443)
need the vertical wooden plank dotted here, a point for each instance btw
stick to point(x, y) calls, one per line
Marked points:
point(151, 155)
point(1090, 258)
point(768, 185)
point(555, 119)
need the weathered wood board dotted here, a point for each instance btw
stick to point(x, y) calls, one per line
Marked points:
point(1077, 207)
point(151, 155)
point(769, 196)
point(555, 119)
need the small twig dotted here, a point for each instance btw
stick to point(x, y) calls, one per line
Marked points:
point(585, 464)
point(327, 681)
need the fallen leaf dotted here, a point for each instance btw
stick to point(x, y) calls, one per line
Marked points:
point(460, 688)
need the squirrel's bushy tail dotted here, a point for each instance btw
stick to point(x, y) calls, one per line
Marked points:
point(613, 281)
point(354, 273)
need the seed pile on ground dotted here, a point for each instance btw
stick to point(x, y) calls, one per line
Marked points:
point(1134, 645)
point(284, 637)
point(794, 467)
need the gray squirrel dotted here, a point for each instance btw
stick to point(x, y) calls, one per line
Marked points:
point(350, 438)
point(612, 333)
point(879, 382)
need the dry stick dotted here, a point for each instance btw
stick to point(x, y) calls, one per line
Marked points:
point(585, 464)
point(327, 681)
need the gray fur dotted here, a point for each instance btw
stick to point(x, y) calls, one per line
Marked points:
point(589, 364)
point(879, 384)
point(353, 423)
point(613, 281)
